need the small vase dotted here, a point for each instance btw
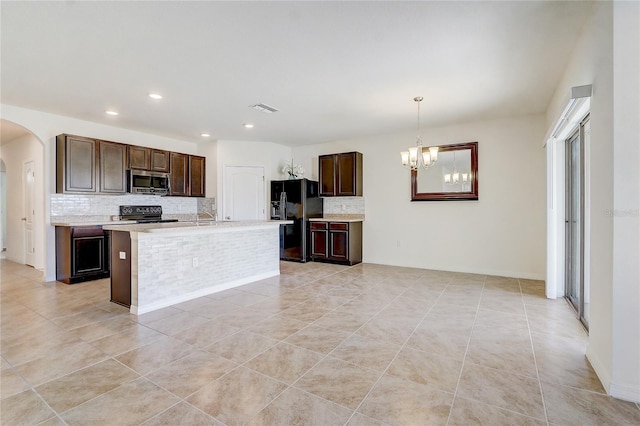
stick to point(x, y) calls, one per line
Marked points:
point(292, 177)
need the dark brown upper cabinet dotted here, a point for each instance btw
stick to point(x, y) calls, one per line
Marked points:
point(155, 160)
point(89, 166)
point(197, 175)
point(112, 167)
point(340, 174)
point(76, 164)
point(139, 157)
point(160, 161)
point(179, 178)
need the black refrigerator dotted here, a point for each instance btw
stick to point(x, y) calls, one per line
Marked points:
point(296, 200)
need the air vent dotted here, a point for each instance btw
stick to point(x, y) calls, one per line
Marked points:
point(264, 108)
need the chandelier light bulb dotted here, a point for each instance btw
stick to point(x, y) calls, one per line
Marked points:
point(405, 158)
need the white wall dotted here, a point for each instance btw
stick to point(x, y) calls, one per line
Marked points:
point(15, 153)
point(607, 52)
point(46, 127)
point(501, 234)
point(625, 374)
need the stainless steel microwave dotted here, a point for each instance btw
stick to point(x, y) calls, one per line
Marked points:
point(143, 182)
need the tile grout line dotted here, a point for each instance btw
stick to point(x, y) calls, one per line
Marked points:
point(401, 346)
point(329, 353)
point(535, 360)
point(475, 318)
point(239, 365)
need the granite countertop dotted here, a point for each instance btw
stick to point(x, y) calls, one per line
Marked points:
point(189, 227)
point(339, 218)
point(87, 221)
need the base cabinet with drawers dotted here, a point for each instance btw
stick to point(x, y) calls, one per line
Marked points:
point(82, 253)
point(336, 242)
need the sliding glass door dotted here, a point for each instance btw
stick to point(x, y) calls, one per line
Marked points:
point(574, 223)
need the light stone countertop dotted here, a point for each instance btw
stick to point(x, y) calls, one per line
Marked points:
point(92, 222)
point(339, 218)
point(204, 226)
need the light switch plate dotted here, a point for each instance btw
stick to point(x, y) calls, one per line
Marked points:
point(123, 255)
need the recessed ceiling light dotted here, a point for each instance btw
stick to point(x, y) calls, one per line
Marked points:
point(248, 126)
point(205, 135)
point(111, 112)
point(155, 96)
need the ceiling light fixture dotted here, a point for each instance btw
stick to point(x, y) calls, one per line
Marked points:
point(416, 156)
point(248, 126)
point(205, 135)
point(111, 112)
point(155, 96)
point(264, 108)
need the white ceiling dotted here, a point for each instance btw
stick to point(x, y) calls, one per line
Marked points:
point(335, 70)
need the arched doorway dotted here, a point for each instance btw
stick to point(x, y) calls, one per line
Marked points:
point(22, 221)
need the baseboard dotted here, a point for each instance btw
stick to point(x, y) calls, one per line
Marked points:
point(603, 373)
point(143, 309)
point(507, 274)
point(625, 392)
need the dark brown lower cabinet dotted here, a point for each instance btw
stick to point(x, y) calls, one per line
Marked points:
point(121, 268)
point(336, 242)
point(82, 253)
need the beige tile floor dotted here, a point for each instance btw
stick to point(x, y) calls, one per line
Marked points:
point(320, 344)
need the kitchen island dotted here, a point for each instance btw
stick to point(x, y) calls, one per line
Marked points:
point(167, 263)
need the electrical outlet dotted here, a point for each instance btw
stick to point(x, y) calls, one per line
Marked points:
point(195, 262)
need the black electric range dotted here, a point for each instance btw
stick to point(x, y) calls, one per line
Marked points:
point(143, 214)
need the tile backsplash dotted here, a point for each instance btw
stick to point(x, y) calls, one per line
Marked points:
point(108, 205)
point(343, 205)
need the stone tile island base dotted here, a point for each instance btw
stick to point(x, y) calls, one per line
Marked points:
point(174, 263)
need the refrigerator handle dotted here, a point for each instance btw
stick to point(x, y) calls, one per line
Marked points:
point(283, 205)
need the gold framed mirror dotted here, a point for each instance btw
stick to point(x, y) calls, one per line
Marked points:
point(453, 177)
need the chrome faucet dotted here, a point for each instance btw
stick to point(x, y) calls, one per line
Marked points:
point(213, 215)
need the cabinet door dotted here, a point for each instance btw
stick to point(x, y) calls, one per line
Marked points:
point(113, 160)
point(160, 161)
point(88, 255)
point(179, 178)
point(327, 171)
point(339, 241)
point(318, 240)
point(139, 157)
point(76, 164)
point(349, 174)
point(196, 176)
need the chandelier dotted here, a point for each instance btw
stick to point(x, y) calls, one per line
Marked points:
point(416, 156)
point(454, 177)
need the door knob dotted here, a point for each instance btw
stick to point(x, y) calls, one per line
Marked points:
point(24, 218)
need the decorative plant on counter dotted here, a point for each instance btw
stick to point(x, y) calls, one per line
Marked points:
point(294, 171)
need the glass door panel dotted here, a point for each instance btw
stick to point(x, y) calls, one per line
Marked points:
point(574, 229)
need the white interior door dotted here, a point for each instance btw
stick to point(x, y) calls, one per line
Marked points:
point(243, 193)
point(28, 178)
